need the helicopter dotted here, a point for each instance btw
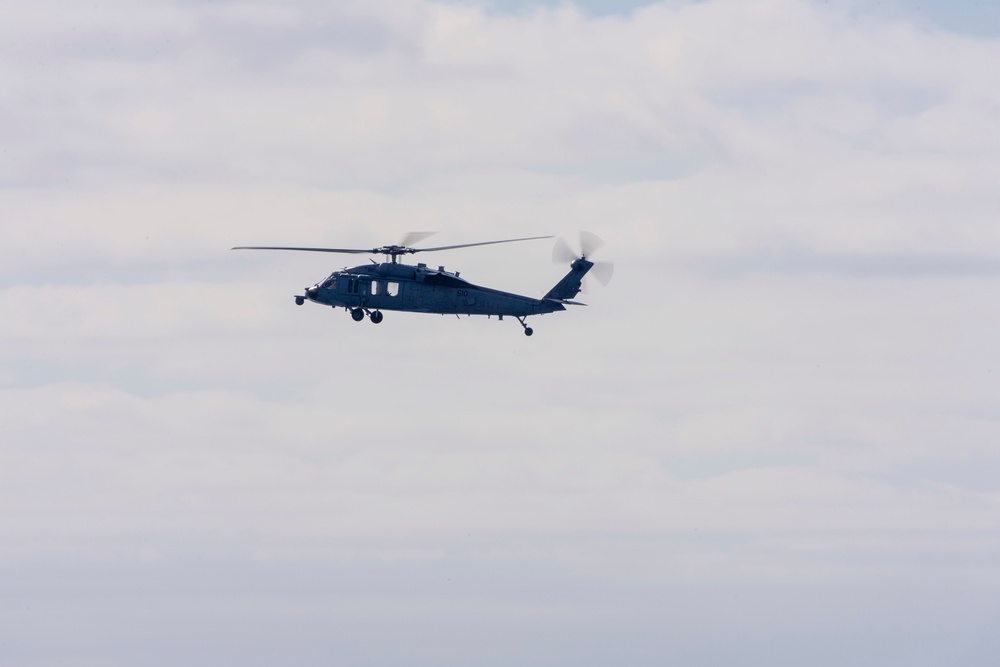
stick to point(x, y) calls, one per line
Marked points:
point(369, 289)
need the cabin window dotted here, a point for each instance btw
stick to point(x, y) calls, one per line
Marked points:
point(377, 288)
point(392, 289)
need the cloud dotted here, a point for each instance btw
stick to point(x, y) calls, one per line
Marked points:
point(789, 386)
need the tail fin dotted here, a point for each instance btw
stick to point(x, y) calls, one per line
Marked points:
point(569, 286)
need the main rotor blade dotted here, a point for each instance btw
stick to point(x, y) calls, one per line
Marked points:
point(469, 245)
point(402, 249)
point(415, 237)
point(346, 251)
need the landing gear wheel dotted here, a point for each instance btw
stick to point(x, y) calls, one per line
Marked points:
point(528, 331)
point(376, 317)
point(357, 314)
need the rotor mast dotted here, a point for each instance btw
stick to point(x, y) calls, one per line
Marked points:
point(393, 251)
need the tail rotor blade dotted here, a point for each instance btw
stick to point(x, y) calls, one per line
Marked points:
point(590, 243)
point(603, 271)
point(562, 253)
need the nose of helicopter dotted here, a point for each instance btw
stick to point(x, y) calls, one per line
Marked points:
point(311, 292)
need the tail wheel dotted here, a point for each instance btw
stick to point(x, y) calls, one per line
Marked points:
point(527, 330)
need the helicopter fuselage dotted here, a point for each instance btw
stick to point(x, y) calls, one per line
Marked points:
point(398, 286)
point(371, 288)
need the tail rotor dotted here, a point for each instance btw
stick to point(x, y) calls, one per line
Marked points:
point(589, 244)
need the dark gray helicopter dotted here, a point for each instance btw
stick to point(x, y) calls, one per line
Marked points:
point(392, 285)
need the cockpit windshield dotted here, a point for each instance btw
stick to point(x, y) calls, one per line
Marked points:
point(331, 282)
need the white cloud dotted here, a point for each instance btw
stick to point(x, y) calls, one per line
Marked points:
point(790, 381)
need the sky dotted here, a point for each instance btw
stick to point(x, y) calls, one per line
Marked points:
point(771, 440)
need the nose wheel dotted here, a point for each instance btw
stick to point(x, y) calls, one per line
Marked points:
point(527, 330)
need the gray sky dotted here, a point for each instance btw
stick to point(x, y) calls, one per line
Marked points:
point(772, 440)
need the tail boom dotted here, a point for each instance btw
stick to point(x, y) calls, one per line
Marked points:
point(569, 286)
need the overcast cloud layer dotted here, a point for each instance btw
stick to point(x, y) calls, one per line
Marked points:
point(771, 440)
